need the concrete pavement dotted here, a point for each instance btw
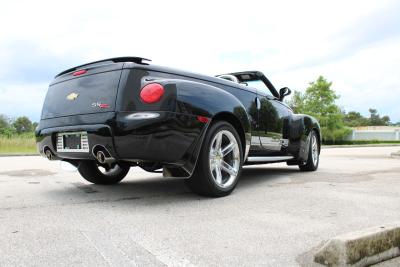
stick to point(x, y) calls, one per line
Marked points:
point(275, 217)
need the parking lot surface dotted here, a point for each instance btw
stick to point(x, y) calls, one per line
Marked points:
point(276, 216)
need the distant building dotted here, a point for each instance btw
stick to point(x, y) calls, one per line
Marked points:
point(380, 133)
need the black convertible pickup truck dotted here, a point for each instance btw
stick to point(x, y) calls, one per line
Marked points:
point(107, 116)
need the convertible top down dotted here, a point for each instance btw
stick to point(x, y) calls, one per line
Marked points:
point(107, 116)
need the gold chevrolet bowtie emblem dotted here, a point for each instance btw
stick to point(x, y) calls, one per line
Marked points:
point(72, 96)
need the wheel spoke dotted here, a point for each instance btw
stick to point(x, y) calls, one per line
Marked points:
point(218, 142)
point(218, 174)
point(228, 149)
point(228, 168)
point(212, 166)
point(314, 142)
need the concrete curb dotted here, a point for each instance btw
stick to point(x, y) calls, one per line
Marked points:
point(395, 155)
point(361, 248)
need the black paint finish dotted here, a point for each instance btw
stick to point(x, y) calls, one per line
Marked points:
point(173, 137)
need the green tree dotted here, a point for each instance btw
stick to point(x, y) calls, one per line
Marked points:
point(4, 123)
point(34, 125)
point(23, 125)
point(319, 101)
point(374, 117)
point(376, 120)
point(297, 102)
point(355, 119)
point(386, 120)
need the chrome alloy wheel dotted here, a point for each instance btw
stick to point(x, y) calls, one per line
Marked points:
point(314, 150)
point(224, 158)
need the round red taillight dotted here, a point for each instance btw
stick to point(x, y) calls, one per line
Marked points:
point(151, 93)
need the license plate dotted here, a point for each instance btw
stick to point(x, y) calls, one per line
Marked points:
point(72, 142)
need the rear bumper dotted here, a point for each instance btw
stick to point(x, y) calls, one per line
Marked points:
point(97, 134)
point(167, 137)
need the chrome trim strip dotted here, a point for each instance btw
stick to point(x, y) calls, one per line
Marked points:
point(268, 159)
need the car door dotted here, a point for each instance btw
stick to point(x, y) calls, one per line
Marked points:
point(271, 130)
point(272, 118)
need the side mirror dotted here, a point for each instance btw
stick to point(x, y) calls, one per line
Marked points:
point(284, 92)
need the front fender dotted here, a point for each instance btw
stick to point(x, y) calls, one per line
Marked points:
point(300, 126)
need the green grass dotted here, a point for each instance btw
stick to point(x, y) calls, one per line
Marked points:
point(18, 144)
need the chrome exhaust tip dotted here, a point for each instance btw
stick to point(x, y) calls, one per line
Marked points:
point(101, 157)
point(48, 154)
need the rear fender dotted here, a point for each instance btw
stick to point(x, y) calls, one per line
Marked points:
point(184, 98)
point(208, 101)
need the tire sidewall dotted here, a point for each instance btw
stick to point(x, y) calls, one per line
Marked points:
point(309, 164)
point(315, 166)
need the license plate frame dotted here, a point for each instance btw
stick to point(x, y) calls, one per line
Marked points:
point(72, 142)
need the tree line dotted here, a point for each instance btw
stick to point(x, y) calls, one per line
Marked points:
point(20, 125)
point(319, 101)
point(355, 119)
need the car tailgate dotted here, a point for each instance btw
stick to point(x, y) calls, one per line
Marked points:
point(87, 91)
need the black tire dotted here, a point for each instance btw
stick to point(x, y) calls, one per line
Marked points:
point(311, 164)
point(202, 181)
point(89, 170)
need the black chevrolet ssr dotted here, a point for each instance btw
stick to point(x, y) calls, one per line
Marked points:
point(107, 116)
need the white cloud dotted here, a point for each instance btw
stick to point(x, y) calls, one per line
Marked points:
point(291, 41)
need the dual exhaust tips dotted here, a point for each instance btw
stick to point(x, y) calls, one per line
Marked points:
point(99, 152)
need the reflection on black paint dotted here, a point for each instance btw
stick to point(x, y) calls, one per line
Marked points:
point(269, 120)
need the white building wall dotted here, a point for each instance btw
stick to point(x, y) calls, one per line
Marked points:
point(380, 134)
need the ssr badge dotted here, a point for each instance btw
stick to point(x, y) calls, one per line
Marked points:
point(100, 105)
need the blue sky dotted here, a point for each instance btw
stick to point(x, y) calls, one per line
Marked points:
point(354, 44)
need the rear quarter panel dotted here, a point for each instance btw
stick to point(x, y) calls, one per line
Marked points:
point(178, 132)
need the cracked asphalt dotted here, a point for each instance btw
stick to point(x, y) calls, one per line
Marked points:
point(276, 216)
